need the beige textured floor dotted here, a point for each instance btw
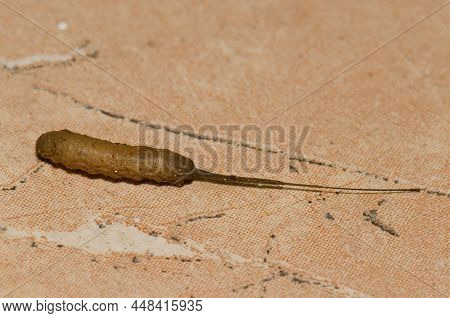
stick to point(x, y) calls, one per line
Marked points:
point(383, 122)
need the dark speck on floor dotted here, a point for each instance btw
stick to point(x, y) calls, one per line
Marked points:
point(329, 216)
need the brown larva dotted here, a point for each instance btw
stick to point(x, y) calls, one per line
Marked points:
point(120, 161)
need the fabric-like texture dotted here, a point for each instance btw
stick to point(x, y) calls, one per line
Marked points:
point(382, 122)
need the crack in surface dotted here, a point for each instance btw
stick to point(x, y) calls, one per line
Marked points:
point(13, 185)
point(296, 278)
point(118, 238)
point(372, 217)
point(203, 217)
point(42, 60)
point(282, 269)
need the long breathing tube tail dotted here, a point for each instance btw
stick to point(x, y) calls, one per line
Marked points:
point(202, 175)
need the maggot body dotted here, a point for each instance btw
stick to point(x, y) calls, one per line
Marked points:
point(100, 157)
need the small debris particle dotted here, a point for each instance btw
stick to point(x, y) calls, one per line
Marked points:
point(293, 169)
point(267, 279)
point(59, 245)
point(93, 54)
point(62, 26)
point(10, 189)
point(37, 169)
point(283, 273)
point(298, 280)
point(381, 202)
point(135, 259)
point(102, 226)
point(329, 216)
point(34, 244)
point(174, 238)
